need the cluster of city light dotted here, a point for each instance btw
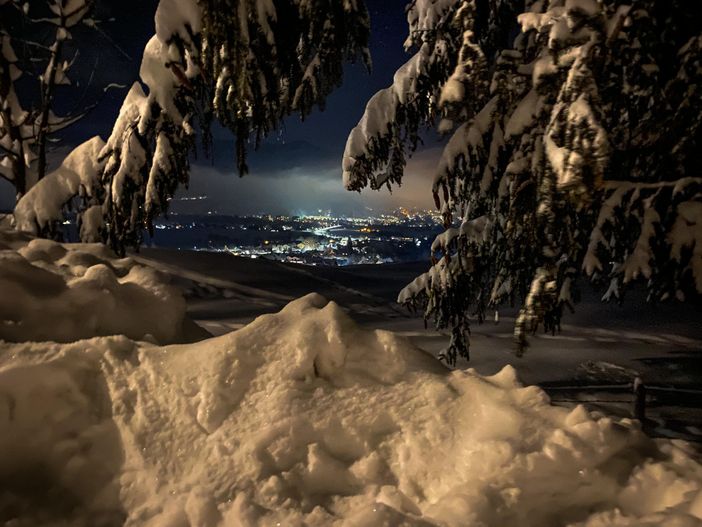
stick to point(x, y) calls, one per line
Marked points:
point(319, 239)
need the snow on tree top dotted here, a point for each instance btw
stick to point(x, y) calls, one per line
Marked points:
point(173, 17)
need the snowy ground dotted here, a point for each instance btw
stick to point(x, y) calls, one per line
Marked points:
point(310, 415)
point(304, 418)
point(601, 348)
point(67, 292)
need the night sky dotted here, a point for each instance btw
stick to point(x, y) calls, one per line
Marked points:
point(297, 170)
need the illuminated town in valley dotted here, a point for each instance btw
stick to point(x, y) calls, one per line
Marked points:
point(320, 238)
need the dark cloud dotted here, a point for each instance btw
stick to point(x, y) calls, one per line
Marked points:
point(274, 158)
point(308, 187)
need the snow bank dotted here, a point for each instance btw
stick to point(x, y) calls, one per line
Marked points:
point(66, 292)
point(302, 418)
point(78, 175)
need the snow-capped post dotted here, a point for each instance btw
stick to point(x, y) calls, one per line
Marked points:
point(639, 406)
point(246, 63)
point(572, 151)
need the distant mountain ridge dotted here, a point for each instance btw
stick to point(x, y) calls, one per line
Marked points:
point(274, 158)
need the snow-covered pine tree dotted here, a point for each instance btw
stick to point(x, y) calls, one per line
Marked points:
point(574, 148)
point(246, 63)
point(35, 54)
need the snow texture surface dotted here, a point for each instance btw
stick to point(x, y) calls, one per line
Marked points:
point(303, 418)
point(67, 292)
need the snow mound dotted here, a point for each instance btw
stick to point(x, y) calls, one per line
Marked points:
point(78, 175)
point(67, 292)
point(303, 418)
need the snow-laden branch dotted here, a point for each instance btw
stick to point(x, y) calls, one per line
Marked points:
point(376, 149)
point(579, 151)
point(643, 226)
point(238, 62)
point(27, 125)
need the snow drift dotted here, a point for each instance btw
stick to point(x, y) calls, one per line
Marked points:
point(303, 418)
point(67, 292)
point(78, 175)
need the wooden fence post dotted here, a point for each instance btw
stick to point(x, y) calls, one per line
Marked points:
point(639, 409)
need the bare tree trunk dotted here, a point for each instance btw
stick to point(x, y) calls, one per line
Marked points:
point(49, 81)
point(18, 167)
point(49, 85)
point(24, 150)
